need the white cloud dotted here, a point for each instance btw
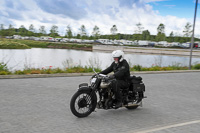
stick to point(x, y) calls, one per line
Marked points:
point(148, 1)
point(102, 13)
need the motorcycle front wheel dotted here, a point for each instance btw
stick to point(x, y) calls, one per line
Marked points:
point(83, 103)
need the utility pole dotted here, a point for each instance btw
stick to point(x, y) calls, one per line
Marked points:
point(192, 40)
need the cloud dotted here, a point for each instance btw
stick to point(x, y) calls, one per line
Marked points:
point(12, 9)
point(129, 3)
point(170, 6)
point(15, 5)
point(63, 7)
point(149, 1)
point(103, 13)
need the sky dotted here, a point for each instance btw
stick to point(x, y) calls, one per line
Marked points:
point(125, 14)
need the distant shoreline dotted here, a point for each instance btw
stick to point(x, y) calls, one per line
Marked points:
point(156, 51)
point(28, 44)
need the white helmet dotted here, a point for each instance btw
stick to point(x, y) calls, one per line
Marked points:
point(118, 54)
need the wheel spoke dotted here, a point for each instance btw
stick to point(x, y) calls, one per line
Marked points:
point(88, 98)
point(86, 107)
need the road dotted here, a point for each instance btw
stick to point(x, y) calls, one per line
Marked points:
point(41, 105)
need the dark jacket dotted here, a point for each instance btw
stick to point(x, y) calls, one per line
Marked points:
point(121, 70)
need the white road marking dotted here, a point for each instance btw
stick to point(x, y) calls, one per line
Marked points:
point(167, 127)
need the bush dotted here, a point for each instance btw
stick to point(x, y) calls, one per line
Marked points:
point(155, 68)
point(196, 66)
point(19, 72)
point(36, 72)
point(46, 71)
point(166, 68)
point(176, 66)
point(58, 70)
point(4, 73)
point(137, 67)
point(80, 69)
point(3, 67)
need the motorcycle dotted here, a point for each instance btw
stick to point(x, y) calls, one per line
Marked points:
point(84, 101)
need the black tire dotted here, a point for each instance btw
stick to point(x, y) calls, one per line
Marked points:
point(82, 100)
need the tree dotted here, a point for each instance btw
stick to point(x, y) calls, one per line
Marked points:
point(2, 27)
point(171, 37)
point(10, 26)
point(31, 30)
point(96, 32)
point(160, 37)
point(78, 36)
point(22, 30)
point(2, 30)
point(69, 32)
point(171, 34)
point(161, 33)
point(146, 35)
point(161, 28)
point(11, 30)
point(137, 37)
point(54, 31)
point(139, 28)
point(42, 30)
point(113, 30)
point(187, 30)
point(83, 33)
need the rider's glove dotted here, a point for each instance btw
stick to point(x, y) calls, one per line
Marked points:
point(111, 76)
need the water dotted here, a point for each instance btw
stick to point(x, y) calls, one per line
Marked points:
point(18, 59)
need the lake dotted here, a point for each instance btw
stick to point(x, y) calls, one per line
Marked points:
point(18, 59)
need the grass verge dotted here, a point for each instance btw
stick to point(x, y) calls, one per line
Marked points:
point(79, 69)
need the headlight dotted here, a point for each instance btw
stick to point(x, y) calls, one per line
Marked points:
point(93, 80)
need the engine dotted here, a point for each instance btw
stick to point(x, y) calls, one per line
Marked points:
point(104, 85)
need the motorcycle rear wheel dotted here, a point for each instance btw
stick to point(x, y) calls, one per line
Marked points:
point(83, 103)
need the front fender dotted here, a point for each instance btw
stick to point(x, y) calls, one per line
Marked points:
point(88, 89)
point(84, 87)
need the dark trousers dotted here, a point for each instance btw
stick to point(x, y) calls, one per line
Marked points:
point(117, 86)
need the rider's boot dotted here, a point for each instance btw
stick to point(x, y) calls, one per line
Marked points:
point(119, 100)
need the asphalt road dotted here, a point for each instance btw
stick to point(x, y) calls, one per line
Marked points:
point(41, 105)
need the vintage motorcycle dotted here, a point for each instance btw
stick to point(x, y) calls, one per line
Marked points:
point(85, 100)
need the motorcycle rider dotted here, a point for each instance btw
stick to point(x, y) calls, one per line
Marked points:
point(120, 67)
